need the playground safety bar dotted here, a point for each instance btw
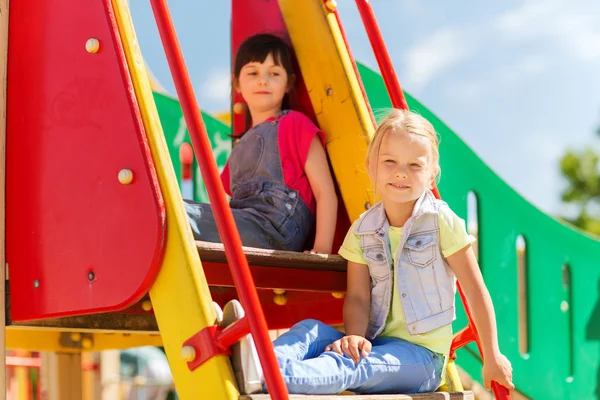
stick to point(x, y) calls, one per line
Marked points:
point(223, 215)
point(399, 101)
point(381, 54)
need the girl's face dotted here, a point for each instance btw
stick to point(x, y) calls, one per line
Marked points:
point(263, 86)
point(404, 169)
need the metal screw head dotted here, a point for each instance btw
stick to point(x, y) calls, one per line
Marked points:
point(92, 45)
point(188, 353)
point(146, 305)
point(36, 284)
point(329, 91)
point(91, 275)
point(125, 176)
point(86, 343)
point(331, 5)
point(238, 108)
point(367, 205)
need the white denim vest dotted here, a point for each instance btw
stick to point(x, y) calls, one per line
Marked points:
point(426, 283)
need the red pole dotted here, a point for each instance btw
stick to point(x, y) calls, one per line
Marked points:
point(500, 392)
point(223, 216)
point(383, 60)
point(381, 54)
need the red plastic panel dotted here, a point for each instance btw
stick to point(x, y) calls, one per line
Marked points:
point(300, 305)
point(78, 240)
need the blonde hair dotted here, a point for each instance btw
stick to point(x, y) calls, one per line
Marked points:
point(410, 123)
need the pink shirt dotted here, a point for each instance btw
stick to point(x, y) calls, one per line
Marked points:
point(294, 135)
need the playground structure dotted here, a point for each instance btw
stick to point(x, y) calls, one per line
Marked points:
point(97, 241)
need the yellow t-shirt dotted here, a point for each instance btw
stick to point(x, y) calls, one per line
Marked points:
point(453, 237)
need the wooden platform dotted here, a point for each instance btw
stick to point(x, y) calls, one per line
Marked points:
point(466, 395)
point(271, 269)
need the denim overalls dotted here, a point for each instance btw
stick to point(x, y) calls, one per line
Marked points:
point(268, 214)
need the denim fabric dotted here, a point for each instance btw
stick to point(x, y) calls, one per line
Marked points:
point(425, 281)
point(393, 366)
point(268, 214)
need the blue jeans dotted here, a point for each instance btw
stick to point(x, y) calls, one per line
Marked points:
point(268, 216)
point(393, 366)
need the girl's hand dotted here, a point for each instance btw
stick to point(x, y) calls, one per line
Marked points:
point(353, 346)
point(317, 251)
point(499, 369)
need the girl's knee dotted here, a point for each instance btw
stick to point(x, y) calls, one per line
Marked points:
point(309, 324)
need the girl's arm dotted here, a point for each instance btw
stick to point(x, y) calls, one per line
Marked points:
point(357, 307)
point(465, 267)
point(357, 304)
point(321, 183)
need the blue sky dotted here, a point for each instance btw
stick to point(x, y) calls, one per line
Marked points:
point(517, 80)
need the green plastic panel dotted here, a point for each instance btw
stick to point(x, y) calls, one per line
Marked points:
point(176, 133)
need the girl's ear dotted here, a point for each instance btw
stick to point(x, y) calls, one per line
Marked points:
point(432, 180)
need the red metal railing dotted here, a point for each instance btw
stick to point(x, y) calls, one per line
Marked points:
point(224, 218)
point(398, 101)
point(381, 54)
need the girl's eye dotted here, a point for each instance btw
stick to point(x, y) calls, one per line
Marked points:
point(390, 161)
point(275, 73)
point(415, 165)
point(252, 73)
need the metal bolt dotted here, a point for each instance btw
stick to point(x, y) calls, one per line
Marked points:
point(91, 275)
point(331, 5)
point(238, 108)
point(280, 299)
point(188, 353)
point(36, 284)
point(125, 176)
point(329, 91)
point(367, 205)
point(92, 46)
point(146, 305)
point(76, 336)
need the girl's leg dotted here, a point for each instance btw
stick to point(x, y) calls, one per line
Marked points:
point(306, 339)
point(255, 230)
point(398, 366)
point(393, 366)
point(202, 221)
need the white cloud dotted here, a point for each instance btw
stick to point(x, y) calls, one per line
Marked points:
point(470, 91)
point(467, 92)
point(528, 65)
point(574, 26)
point(430, 57)
point(217, 87)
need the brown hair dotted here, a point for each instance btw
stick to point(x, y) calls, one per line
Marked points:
point(257, 48)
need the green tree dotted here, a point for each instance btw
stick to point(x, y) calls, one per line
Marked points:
point(582, 172)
